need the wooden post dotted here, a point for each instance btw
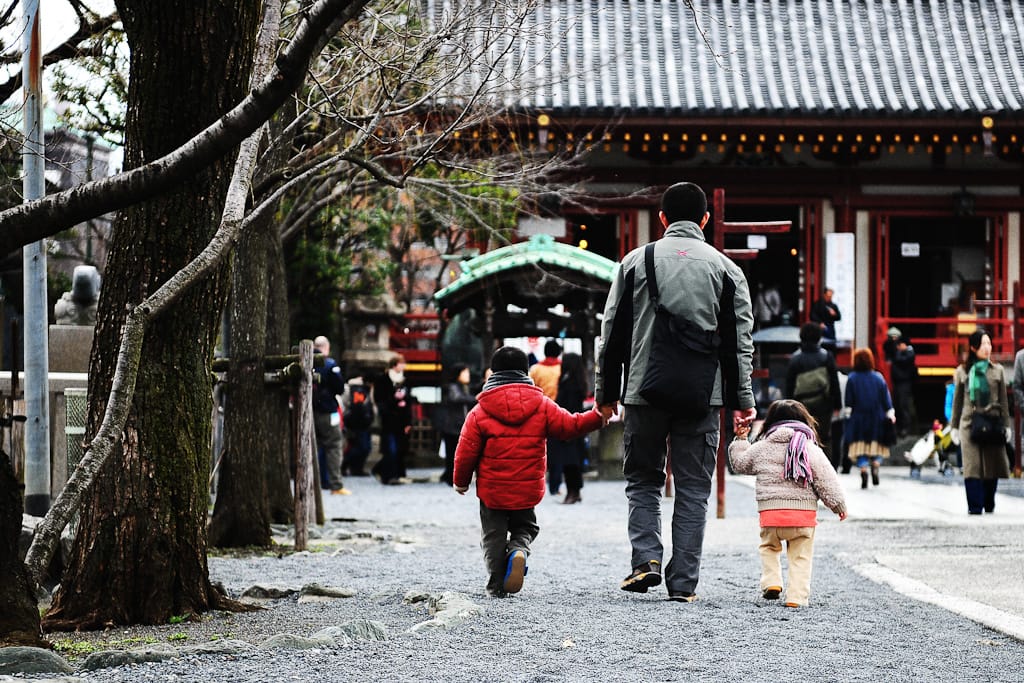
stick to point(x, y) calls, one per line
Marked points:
point(317, 511)
point(303, 466)
point(721, 227)
point(1016, 337)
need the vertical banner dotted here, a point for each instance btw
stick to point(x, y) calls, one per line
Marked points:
point(841, 277)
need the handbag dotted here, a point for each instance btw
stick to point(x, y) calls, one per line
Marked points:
point(986, 429)
point(683, 360)
point(888, 432)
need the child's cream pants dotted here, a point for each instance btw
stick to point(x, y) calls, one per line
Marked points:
point(800, 551)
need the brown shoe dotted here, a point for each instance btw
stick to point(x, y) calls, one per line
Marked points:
point(647, 575)
point(572, 497)
point(772, 592)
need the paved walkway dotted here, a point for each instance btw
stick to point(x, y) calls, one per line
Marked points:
point(966, 572)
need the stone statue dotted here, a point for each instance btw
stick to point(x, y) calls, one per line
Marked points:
point(78, 307)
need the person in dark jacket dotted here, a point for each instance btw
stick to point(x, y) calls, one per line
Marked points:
point(565, 458)
point(394, 405)
point(456, 400)
point(504, 442)
point(826, 313)
point(870, 406)
point(326, 418)
point(903, 371)
point(357, 406)
point(822, 404)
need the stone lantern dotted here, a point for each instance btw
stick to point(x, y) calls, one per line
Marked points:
point(365, 320)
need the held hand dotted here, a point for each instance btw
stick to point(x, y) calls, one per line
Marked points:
point(742, 431)
point(954, 436)
point(842, 515)
point(743, 417)
point(607, 410)
point(461, 490)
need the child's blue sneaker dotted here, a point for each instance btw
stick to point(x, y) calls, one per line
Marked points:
point(515, 570)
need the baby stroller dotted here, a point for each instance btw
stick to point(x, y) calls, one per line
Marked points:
point(937, 443)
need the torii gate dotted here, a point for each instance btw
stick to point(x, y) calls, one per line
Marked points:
point(722, 227)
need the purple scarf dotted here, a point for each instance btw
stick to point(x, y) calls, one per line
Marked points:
point(798, 465)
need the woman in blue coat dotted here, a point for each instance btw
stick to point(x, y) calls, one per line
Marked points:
point(870, 406)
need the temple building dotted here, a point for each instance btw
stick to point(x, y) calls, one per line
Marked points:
point(888, 133)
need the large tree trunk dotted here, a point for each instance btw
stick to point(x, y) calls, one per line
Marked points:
point(276, 403)
point(19, 618)
point(241, 515)
point(140, 553)
point(255, 480)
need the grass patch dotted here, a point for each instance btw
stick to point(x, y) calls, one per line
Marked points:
point(76, 649)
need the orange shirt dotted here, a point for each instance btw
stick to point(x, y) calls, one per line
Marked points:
point(789, 518)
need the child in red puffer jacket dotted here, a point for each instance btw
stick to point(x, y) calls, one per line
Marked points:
point(504, 440)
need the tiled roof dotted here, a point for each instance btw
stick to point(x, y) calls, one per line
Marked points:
point(842, 58)
point(538, 250)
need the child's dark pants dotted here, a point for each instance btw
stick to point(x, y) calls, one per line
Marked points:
point(503, 531)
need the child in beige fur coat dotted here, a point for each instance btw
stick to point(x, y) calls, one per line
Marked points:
point(793, 473)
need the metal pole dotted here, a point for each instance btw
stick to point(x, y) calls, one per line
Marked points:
point(37, 409)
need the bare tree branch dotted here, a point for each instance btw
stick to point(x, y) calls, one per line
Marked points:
point(129, 355)
point(68, 49)
point(41, 218)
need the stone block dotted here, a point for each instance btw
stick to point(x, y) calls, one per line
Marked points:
point(69, 347)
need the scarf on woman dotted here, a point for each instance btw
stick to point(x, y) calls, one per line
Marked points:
point(502, 377)
point(798, 465)
point(978, 384)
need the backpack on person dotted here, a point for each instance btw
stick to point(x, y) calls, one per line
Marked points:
point(359, 415)
point(812, 389)
point(683, 361)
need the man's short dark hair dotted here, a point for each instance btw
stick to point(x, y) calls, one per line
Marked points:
point(509, 358)
point(552, 349)
point(810, 333)
point(684, 202)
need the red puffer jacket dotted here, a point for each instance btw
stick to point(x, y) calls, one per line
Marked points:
point(504, 440)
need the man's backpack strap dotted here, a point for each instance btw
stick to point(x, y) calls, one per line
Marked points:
point(652, 280)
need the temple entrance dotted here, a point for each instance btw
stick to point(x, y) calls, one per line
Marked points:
point(937, 266)
point(780, 261)
point(931, 270)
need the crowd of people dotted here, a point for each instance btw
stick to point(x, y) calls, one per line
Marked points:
point(671, 357)
point(346, 414)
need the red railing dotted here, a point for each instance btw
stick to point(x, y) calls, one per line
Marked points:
point(415, 336)
point(938, 342)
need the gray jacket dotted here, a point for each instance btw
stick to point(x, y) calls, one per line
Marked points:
point(696, 281)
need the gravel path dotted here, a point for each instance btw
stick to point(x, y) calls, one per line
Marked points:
point(571, 622)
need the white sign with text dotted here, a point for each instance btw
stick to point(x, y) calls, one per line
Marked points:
point(840, 276)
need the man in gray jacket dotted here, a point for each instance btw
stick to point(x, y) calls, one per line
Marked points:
point(702, 285)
